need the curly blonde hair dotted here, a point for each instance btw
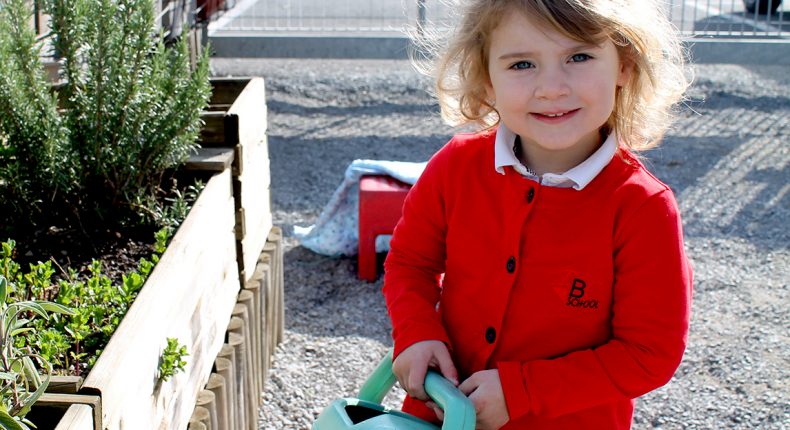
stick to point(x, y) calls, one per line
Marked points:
point(645, 40)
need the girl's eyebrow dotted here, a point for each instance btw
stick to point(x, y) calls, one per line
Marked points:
point(573, 48)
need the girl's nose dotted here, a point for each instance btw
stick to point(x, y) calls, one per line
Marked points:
point(552, 84)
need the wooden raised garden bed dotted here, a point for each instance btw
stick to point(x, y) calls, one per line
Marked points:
point(217, 288)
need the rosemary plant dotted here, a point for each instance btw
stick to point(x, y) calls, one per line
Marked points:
point(127, 111)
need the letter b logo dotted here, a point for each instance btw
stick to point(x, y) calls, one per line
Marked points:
point(577, 289)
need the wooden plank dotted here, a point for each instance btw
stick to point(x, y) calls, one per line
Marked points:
point(245, 121)
point(210, 159)
point(258, 222)
point(199, 273)
point(78, 417)
point(62, 384)
point(226, 90)
point(212, 134)
point(65, 401)
point(253, 156)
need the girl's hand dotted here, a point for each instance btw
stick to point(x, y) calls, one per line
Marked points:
point(485, 391)
point(412, 363)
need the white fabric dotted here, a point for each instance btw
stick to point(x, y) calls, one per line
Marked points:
point(336, 231)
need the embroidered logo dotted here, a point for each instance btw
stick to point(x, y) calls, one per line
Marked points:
point(576, 296)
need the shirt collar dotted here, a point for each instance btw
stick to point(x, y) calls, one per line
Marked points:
point(577, 177)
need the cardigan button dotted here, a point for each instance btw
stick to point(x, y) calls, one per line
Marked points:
point(530, 195)
point(511, 264)
point(490, 335)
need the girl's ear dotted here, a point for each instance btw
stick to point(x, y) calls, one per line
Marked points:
point(626, 71)
point(490, 93)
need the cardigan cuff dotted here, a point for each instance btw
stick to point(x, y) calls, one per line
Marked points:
point(514, 389)
point(404, 338)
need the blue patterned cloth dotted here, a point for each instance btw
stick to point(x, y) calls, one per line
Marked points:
point(336, 232)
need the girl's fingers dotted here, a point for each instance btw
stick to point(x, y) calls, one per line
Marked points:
point(446, 366)
point(469, 385)
point(416, 382)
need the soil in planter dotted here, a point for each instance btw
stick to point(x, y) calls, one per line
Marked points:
point(118, 248)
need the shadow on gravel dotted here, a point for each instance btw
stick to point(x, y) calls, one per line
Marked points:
point(321, 288)
point(728, 166)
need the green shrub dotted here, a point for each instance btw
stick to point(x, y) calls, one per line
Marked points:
point(128, 109)
point(34, 161)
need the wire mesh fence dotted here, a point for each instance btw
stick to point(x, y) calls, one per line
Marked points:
point(694, 18)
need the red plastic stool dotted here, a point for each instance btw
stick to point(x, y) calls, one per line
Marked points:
point(380, 205)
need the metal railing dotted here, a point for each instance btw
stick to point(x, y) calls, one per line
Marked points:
point(694, 18)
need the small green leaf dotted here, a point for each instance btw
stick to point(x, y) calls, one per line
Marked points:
point(19, 331)
point(3, 289)
point(8, 422)
point(29, 401)
point(55, 307)
point(33, 307)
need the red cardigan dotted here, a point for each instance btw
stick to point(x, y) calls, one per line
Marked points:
point(581, 299)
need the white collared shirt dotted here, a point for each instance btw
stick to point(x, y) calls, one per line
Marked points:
point(576, 178)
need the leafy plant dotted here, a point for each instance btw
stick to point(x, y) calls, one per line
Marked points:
point(172, 360)
point(34, 159)
point(128, 109)
point(21, 382)
point(74, 341)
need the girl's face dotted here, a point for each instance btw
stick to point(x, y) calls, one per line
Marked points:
point(554, 92)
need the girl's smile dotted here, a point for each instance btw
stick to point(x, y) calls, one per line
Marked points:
point(554, 117)
point(553, 91)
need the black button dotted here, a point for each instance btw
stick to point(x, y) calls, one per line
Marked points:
point(490, 335)
point(530, 195)
point(511, 265)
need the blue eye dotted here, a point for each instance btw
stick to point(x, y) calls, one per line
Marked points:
point(580, 58)
point(522, 65)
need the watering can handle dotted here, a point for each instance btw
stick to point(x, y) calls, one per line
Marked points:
point(459, 412)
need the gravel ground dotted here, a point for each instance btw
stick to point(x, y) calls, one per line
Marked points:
point(727, 159)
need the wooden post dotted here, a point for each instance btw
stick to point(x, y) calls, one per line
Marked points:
point(274, 249)
point(216, 384)
point(254, 286)
point(245, 388)
point(267, 290)
point(246, 299)
point(226, 367)
point(206, 399)
point(198, 419)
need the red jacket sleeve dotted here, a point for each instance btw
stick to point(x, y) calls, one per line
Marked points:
point(415, 262)
point(650, 318)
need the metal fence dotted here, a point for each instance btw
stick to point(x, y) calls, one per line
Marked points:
point(694, 18)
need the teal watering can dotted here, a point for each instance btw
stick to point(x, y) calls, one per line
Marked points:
point(366, 412)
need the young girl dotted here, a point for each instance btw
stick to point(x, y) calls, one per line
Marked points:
point(537, 262)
